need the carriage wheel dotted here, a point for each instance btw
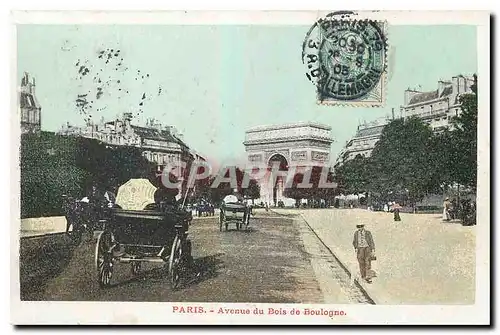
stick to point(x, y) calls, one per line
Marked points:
point(104, 259)
point(135, 268)
point(174, 263)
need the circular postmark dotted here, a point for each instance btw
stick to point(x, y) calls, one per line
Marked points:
point(345, 59)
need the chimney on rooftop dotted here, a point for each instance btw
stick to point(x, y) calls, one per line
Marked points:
point(409, 94)
point(441, 87)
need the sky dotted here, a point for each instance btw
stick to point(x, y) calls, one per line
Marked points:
point(214, 82)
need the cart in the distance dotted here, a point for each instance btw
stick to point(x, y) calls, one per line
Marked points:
point(234, 212)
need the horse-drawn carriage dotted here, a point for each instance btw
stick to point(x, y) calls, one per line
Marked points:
point(140, 227)
point(237, 212)
point(144, 229)
point(151, 235)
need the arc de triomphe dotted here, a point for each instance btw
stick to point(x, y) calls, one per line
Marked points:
point(297, 144)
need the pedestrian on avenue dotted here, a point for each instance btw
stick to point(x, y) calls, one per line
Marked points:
point(365, 250)
point(446, 209)
point(396, 209)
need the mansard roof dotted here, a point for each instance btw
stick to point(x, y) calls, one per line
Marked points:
point(429, 96)
point(369, 131)
point(156, 134)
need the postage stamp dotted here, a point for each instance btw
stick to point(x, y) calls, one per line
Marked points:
point(187, 168)
point(346, 59)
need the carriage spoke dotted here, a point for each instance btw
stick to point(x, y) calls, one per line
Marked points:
point(104, 259)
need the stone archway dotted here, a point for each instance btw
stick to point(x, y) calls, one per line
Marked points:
point(298, 144)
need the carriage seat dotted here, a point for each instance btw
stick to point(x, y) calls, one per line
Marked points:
point(168, 208)
point(234, 205)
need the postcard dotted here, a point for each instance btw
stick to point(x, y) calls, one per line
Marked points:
point(251, 167)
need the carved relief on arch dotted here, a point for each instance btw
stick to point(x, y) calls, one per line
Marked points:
point(299, 156)
point(319, 156)
point(255, 158)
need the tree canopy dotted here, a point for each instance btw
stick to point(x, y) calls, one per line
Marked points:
point(52, 165)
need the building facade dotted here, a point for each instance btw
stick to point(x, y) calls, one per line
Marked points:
point(161, 145)
point(437, 107)
point(29, 108)
point(364, 141)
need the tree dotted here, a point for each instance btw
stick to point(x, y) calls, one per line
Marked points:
point(217, 194)
point(316, 191)
point(294, 192)
point(401, 163)
point(465, 137)
point(201, 189)
point(253, 190)
point(54, 165)
point(354, 175)
point(48, 170)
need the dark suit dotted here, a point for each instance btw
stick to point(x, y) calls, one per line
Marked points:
point(364, 252)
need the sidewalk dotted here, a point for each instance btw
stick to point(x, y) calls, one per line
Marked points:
point(420, 260)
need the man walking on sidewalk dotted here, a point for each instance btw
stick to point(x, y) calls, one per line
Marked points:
point(364, 247)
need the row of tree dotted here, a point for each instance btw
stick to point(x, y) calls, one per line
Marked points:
point(316, 191)
point(203, 188)
point(410, 160)
point(52, 166)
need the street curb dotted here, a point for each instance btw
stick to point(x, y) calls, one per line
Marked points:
point(367, 290)
point(44, 235)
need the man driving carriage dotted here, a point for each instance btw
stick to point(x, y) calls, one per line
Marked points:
point(233, 198)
